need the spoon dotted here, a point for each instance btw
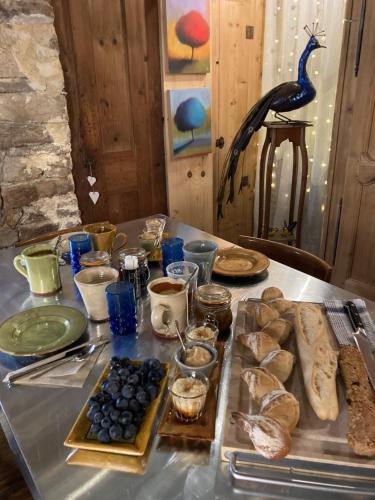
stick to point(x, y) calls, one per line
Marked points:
point(182, 342)
point(190, 278)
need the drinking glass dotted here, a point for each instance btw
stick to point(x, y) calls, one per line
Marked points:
point(171, 251)
point(121, 308)
point(202, 253)
point(183, 269)
point(156, 225)
point(78, 244)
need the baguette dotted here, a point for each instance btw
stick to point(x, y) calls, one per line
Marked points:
point(318, 361)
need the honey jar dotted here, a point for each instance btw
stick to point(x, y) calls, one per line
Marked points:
point(214, 301)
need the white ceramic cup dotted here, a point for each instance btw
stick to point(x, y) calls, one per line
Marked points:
point(91, 284)
point(166, 309)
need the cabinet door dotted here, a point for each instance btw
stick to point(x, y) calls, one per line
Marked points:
point(355, 259)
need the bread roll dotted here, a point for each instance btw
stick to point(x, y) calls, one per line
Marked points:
point(279, 363)
point(282, 406)
point(271, 293)
point(269, 438)
point(318, 361)
point(279, 329)
point(281, 305)
point(260, 381)
point(290, 314)
point(259, 344)
point(264, 314)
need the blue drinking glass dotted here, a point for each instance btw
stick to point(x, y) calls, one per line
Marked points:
point(172, 251)
point(121, 308)
point(79, 244)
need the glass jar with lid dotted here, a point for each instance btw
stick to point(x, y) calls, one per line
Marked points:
point(95, 258)
point(144, 271)
point(214, 301)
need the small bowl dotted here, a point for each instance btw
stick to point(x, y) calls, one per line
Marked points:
point(189, 333)
point(204, 369)
point(188, 408)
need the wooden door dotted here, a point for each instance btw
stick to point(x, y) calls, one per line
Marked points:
point(239, 80)
point(354, 266)
point(110, 57)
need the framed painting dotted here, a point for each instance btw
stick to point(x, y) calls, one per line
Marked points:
point(190, 122)
point(187, 36)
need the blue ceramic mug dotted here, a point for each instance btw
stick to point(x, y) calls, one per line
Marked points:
point(202, 253)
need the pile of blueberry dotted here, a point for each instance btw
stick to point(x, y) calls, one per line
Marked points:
point(118, 409)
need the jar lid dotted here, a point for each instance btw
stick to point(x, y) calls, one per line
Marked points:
point(213, 294)
point(131, 262)
point(139, 252)
point(94, 258)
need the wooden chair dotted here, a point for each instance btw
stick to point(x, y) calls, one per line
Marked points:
point(290, 256)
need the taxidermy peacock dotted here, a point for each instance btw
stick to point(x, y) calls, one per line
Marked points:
point(287, 96)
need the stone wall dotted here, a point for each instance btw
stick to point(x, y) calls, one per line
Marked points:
point(36, 184)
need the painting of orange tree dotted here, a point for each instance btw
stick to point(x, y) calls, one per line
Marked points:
point(190, 122)
point(188, 36)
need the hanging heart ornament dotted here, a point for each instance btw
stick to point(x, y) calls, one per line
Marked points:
point(91, 180)
point(94, 195)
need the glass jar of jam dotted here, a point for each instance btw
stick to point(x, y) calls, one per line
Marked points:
point(214, 301)
point(144, 271)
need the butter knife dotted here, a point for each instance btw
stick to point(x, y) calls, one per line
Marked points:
point(361, 340)
point(13, 375)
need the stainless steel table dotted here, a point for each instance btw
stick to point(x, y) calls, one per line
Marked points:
point(37, 420)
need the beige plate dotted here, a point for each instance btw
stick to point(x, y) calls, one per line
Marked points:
point(240, 262)
point(77, 437)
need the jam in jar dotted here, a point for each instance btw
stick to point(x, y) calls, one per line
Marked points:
point(214, 301)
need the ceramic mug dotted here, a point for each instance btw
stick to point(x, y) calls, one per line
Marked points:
point(40, 266)
point(202, 253)
point(168, 304)
point(105, 237)
point(91, 284)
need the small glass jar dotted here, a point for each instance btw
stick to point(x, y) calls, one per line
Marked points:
point(95, 258)
point(214, 300)
point(144, 271)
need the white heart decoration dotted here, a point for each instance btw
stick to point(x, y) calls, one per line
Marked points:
point(94, 195)
point(91, 180)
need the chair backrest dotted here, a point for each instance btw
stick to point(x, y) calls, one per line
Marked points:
point(290, 256)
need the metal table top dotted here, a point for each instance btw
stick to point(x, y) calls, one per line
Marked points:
point(37, 420)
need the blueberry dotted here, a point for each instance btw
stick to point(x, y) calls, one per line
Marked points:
point(106, 398)
point(107, 408)
point(90, 414)
point(123, 373)
point(97, 417)
point(138, 418)
point(143, 398)
point(95, 406)
point(112, 387)
point(114, 376)
point(103, 436)
point(122, 403)
point(115, 361)
point(93, 400)
point(115, 432)
point(95, 428)
point(106, 422)
point(154, 364)
point(128, 391)
point(134, 405)
point(132, 368)
point(152, 391)
point(115, 415)
point(126, 417)
point(153, 377)
point(124, 362)
point(104, 386)
point(130, 432)
point(116, 395)
point(133, 379)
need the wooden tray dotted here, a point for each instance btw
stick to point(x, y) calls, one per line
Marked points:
point(77, 437)
point(313, 441)
point(204, 428)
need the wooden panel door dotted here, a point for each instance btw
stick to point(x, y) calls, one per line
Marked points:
point(239, 83)
point(110, 56)
point(355, 259)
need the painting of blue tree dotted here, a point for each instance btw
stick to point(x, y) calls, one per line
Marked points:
point(190, 122)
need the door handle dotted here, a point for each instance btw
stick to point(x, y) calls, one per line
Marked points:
point(220, 142)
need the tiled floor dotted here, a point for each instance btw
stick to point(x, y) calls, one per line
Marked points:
point(12, 484)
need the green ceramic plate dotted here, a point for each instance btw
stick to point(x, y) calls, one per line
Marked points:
point(41, 330)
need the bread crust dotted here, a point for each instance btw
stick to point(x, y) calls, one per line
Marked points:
point(259, 344)
point(318, 360)
point(279, 363)
point(260, 381)
point(279, 329)
point(361, 402)
point(282, 406)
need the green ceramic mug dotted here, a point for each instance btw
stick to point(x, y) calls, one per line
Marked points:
point(40, 266)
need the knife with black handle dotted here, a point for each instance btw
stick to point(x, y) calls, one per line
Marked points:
point(361, 340)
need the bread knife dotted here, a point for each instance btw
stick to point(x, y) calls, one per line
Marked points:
point(361, 340)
